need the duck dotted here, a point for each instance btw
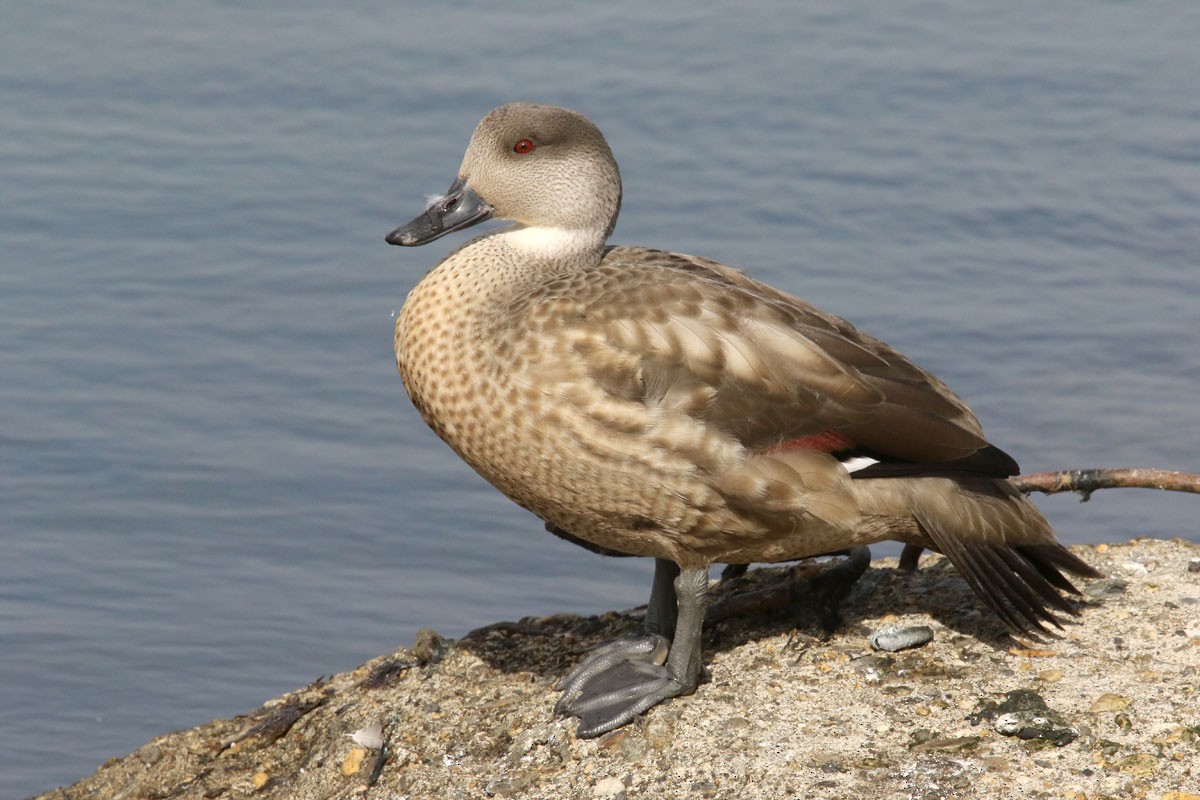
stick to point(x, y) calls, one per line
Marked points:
point(657, 404)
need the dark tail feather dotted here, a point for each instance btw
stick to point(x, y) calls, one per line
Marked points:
point(1050, 558)
point(1021, 583)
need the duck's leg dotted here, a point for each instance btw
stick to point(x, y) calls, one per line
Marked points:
point(832, 585)
point(910, 557)
point(624, 678)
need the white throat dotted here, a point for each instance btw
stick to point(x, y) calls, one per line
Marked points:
point(543, 242)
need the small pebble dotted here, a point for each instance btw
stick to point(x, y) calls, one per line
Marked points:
point(1109, 587)
point(353, 761)
point(1174, 735)
point(737, 724)
point(429, 646)
point(260, 779)
point(509, 787)
point(946, 743)
point(1193, 565)
point(1135, 568)
point(871, 668)
point(608, 787)
point(1032, 652)
point(1008, 724)
point(1138, 764)
point(1050, 675)
point(150, 753)
point(1109, 702)
point(1024, 714)
point(895, 637)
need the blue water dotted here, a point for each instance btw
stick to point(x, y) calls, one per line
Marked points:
point(212, 487)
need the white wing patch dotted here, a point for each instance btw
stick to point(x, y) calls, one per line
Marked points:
point(855, 463)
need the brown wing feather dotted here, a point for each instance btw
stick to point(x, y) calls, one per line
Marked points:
point(767, 366)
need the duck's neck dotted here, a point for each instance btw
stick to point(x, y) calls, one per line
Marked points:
point(459, 315)
point(479, 284)
point(552, 246)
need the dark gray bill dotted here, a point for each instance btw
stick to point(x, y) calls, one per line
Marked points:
point(458, 208)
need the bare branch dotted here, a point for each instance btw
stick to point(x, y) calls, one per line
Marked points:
point(1086, 481)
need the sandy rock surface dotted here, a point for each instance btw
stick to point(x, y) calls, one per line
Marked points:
point(1110, 709)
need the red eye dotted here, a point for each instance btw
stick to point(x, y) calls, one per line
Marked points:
point(524, 147)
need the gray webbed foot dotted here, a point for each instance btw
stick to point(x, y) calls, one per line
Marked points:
point(642, 648)
point(622, 679)
point(606, 693)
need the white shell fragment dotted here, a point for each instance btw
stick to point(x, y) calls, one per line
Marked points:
point(898, 637)
point(370, 737)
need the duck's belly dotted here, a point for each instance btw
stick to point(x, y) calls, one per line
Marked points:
point(546, 456)
point(617, 488)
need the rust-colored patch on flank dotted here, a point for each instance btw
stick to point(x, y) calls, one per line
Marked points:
point(827, 442)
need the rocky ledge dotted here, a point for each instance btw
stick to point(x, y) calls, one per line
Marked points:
point(1109, 709)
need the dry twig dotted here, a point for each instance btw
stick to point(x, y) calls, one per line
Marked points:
point(1086, 481)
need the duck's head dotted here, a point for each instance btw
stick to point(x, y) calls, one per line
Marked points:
point(546, 168)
